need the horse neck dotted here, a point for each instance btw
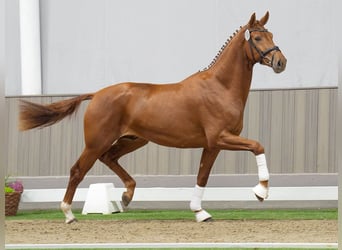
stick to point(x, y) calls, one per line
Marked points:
point(233, 69)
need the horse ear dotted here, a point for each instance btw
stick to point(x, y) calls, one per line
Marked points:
point(252, 20)
point(264, 20)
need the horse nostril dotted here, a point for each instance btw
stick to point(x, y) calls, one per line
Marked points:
point(279, 64)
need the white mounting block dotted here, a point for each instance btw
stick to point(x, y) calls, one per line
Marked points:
point(98, 200)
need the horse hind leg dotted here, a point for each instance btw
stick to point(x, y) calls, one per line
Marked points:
point(77, 173)
point(124, 145)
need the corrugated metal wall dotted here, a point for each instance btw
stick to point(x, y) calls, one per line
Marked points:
point(296, 127)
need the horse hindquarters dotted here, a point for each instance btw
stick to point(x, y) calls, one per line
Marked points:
point(99, 134)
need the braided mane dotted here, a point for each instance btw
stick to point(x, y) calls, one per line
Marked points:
point(221, 50)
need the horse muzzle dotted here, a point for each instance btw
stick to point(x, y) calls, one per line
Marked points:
point(278, 62)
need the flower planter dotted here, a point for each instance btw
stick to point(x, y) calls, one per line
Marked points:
point(11, 203)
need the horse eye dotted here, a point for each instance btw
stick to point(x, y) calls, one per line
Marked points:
point(257, 38)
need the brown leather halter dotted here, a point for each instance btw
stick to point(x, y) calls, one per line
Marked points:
point(261, 53)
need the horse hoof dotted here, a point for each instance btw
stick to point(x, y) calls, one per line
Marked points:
point(259, 198)
point(203, 216)
point(208, 220)
point(261, 192)
point(126, 199)
point(71, 221)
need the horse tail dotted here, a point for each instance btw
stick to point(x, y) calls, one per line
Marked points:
point(33, 115)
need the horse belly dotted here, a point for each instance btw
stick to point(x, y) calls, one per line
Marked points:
point(171, 132)
point(178, 140)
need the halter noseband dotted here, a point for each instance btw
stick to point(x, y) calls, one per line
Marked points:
point(261, 53)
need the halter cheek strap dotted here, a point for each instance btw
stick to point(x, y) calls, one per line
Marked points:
point(261, 53)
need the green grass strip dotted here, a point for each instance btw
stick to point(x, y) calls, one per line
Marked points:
point(289, 214)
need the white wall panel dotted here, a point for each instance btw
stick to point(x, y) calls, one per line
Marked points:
point(87, 45)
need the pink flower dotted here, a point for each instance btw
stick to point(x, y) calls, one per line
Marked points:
point(16, 185)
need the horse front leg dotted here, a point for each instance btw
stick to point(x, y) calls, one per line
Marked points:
point(207, 160)
point(233, 142)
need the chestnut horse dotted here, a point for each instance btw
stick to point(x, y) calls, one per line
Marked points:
point(203, 111)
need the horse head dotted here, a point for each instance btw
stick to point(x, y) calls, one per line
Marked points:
point(260, 46)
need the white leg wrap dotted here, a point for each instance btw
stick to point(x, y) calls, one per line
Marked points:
point(195, 204)
point(69, 216)
point(262, 167)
